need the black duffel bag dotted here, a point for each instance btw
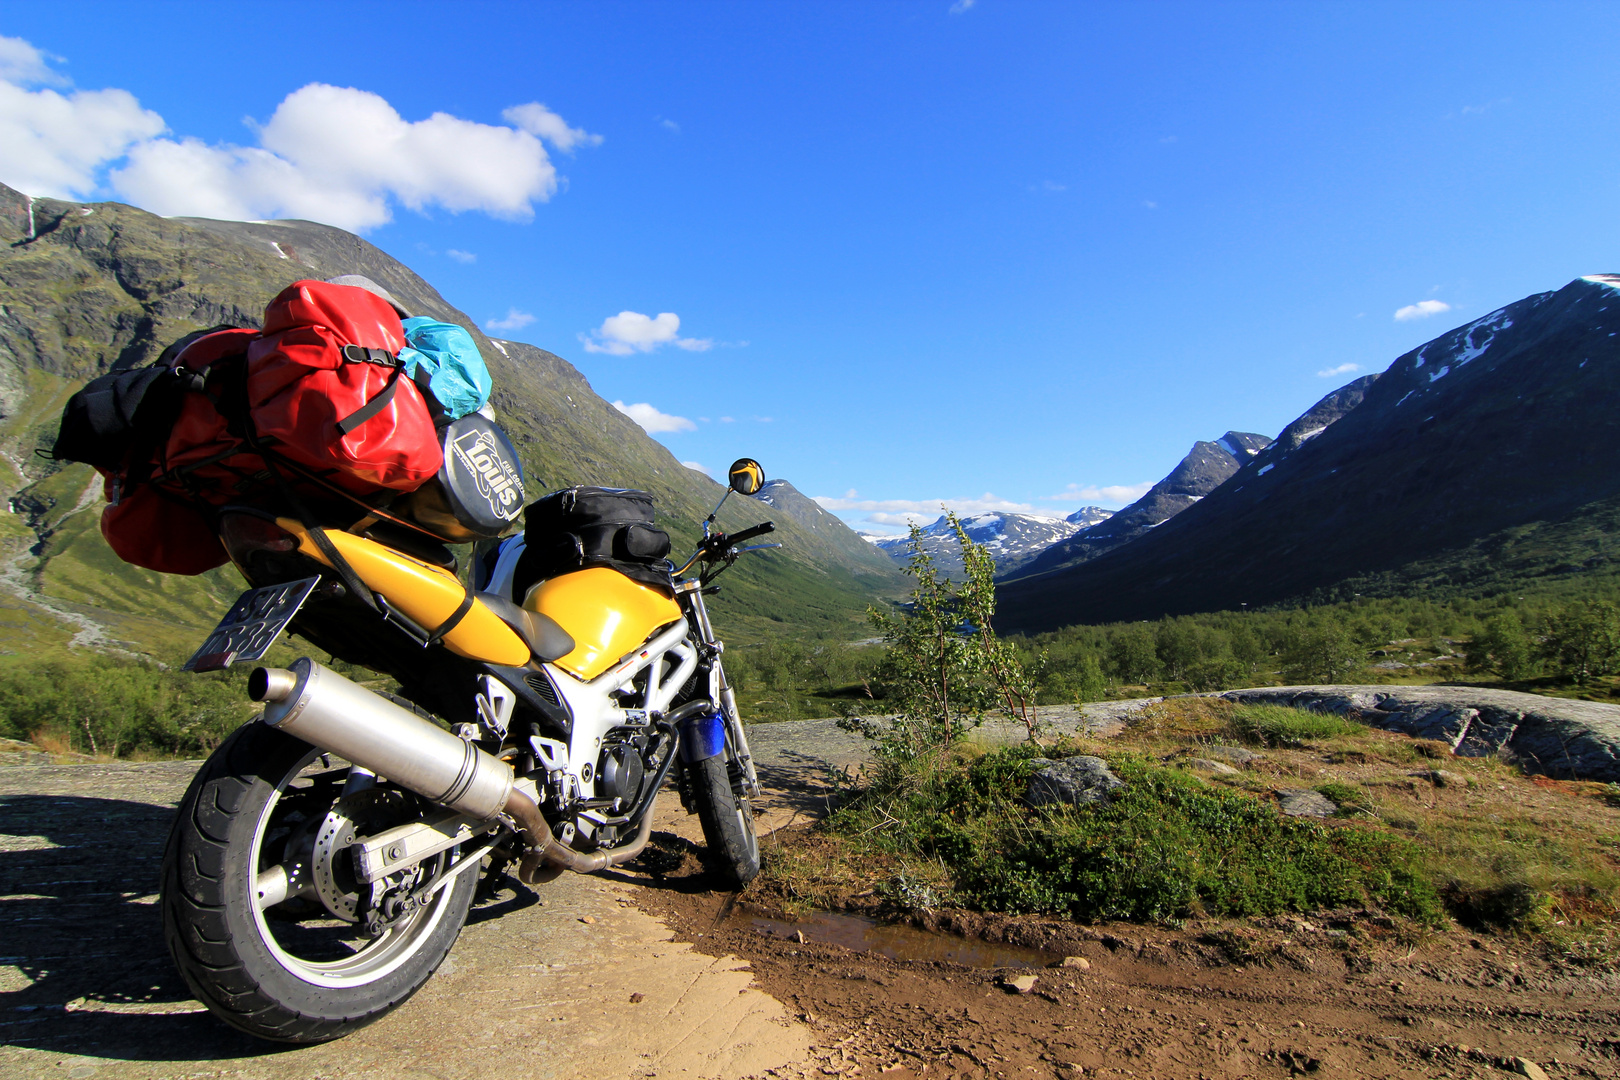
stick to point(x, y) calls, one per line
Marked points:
point(582, 527)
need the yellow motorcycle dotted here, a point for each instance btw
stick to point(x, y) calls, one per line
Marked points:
point(325, 857)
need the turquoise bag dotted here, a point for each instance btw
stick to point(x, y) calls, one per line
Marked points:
point(445, 358)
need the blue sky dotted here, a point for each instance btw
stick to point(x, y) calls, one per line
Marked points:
point(995, 254)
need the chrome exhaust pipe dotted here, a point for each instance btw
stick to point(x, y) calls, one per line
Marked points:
point(321, 707)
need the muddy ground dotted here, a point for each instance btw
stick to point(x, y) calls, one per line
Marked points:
point(1340, 995)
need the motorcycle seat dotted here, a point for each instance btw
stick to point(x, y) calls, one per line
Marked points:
point(547, 640)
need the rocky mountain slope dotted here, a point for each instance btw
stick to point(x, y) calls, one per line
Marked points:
point(1500, 437)
point(1087, 516)
point(842, 544)
point(1205, 468)
point(1011, 539)
point(85, 288)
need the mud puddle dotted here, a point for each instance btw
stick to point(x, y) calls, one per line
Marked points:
point(897, 942)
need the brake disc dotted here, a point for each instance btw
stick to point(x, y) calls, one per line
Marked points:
point(360, 814)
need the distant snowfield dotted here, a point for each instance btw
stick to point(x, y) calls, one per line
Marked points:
point(1008, 538)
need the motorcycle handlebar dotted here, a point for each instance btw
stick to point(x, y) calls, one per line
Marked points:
point(748, 534)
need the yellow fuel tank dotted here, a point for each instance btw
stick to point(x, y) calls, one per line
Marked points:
point(607, 614)
point(427, 594)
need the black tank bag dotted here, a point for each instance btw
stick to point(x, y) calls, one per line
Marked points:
point(582, 527)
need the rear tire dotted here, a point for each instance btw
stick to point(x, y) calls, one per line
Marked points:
point(728, 821)
point(257, 978)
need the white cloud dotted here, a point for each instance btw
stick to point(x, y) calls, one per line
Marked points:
point(1421, 310)
point(704, 469)
point(344, 156)
point(669, 126)
point(1150, 204)
point(1121, 494)
point(962, 5)
point(1342, 369)
point(332, 154)
point(462, 256)
point(902, 520)
point(631, 332)
point(928, 507)
point(651, 420)
point(514, 320)
point(541, 122)
point(55, 144)
point(24, 65)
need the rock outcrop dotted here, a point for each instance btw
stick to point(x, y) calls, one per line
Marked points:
point(1573, 740)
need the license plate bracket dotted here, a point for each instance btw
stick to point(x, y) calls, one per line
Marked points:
point(252, 625)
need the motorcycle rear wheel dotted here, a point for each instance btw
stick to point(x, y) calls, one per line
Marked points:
point(728, 821)
point(287, 974)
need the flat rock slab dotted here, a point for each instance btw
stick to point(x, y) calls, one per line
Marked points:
point(1303, 802)
point(1235, 755)
point(1219, 768)
point(1578, 740)
point(531, 990)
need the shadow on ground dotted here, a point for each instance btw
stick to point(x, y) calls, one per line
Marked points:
point(79, 915)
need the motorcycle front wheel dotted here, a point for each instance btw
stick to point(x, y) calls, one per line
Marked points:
point(292, 971)
point(727, 818)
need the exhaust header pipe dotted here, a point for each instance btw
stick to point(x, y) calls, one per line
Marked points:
point(321, 707)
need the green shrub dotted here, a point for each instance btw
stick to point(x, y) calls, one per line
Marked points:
point(1168, 846)
point(100, 704)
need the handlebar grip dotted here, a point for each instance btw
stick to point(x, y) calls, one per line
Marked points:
point(750, 533)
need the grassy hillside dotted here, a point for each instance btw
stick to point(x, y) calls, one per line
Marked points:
point(94, 287)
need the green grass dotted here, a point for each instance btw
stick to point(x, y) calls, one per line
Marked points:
point(1279, 725)
point(1169, 846)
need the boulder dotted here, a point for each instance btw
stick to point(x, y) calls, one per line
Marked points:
point(1303, 802)
point(1219, 768)
point(1078, 781)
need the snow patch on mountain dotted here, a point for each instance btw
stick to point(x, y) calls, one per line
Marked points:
point(1010, 539)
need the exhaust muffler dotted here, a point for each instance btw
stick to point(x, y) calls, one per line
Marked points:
point(321, 707)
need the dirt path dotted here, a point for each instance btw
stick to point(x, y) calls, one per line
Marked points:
point(534, 990)
point(576, 982)
point(1294, 997)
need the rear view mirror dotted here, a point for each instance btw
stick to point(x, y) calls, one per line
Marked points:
point(746, 476)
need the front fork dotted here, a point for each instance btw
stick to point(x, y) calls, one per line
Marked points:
point(692, 593)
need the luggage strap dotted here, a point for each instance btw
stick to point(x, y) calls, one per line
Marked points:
point(453, 621)
point(375, 405)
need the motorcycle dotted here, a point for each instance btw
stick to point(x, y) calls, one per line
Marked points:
point(326, 856)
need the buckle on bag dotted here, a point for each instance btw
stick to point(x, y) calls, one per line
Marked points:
point(359, 354)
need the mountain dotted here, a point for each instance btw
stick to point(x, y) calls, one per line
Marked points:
point(1011, 539)
point(843, 546)
point(1205, 468)
point(89, 287)
point(1087, 516)
point(1487, 456)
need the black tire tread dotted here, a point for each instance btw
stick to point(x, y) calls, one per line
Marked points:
point(194, 882)
point(729, 848)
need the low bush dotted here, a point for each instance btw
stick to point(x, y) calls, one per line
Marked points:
point(113, 707)
point(1168, 846)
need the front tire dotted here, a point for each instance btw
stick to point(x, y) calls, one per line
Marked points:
point(728, 821)
point(291, 973)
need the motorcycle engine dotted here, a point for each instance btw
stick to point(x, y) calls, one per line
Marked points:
point(620, 773)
